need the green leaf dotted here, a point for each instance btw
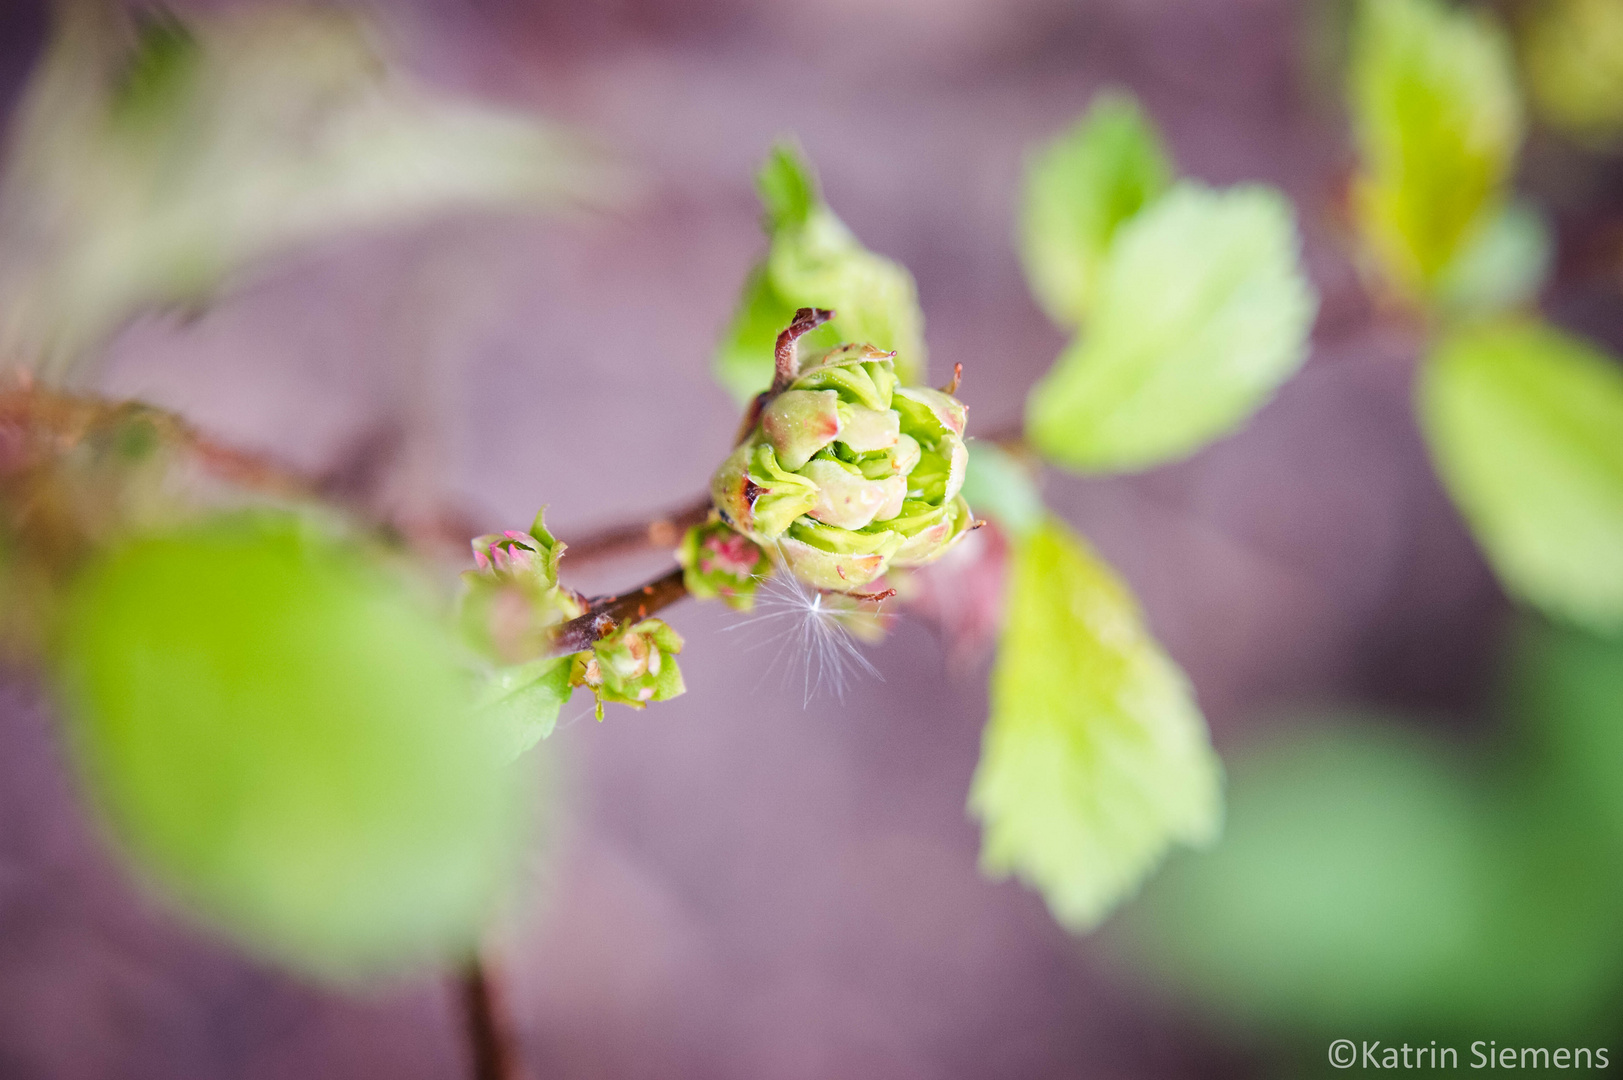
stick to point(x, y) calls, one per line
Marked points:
point(814, 261)
point(788, 189)
point(1001, 486)
point(1202, 311)
point(523, 700)
point(1368, 882)
point(1079, 190)
point(1526, 428)
point(1438, 122)
point(744, 361)
point(146, 175)
point(286, 741)
point(1567, 690)
point(1353, 850)
point(1095, 759)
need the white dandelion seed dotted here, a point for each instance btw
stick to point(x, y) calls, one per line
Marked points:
point(812, 632)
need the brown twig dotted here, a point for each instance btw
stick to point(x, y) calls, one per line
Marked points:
point(607, 612)
point(490, 1040)
point(664, 531)
point(69, 418)
point(63, 419)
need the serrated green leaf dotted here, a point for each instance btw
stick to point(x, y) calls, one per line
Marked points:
point(1202, 311)
point(814, 261)
point(1095, 759)
point(287, 743)
point(148, 166)
point(523, 700)
point(1079, 189)
point(1438, 122)
point(1526, 428)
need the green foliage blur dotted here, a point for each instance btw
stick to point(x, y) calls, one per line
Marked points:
point(271, 711)
point(1572, 51)
point(813, 260)
point(1190, 308)
point(1523, 420)
point(281, 733)
point(1376, 881)
point(1526, 426)
point(1079, 190)
point(153, 158)
point(1438, 122)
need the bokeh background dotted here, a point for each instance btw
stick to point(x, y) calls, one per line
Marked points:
point(740, 884)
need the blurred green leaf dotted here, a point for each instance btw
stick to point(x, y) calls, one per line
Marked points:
point(788, 189)
point(1095, 759)
point(1572, 51)
point(1503, 265)
point(999, 485)
point(523, 700)
point(814, 261)
point(1526, 428)
point(1202, 311)
point(1078, 190)
point(1438, 122)
point(148, 164)
point(1567, 691)
point(1366, 882)
point(286, 741)
point(1352, 851)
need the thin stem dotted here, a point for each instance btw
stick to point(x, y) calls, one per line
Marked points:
point(607, 612)
point(490, 1038)
point(786, 359)
point(71, 417)
point(66, 419)
point(664, 531)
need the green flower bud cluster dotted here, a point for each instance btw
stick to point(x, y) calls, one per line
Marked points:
point(847, 474)
point(513, 600)
point(511, 607)
point(719, 561)
point(633, 665)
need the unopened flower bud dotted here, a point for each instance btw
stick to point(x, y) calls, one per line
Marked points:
point(526, 559)
point(633, 665)
point(718, 561)
point(512, 598)
point(847, 474)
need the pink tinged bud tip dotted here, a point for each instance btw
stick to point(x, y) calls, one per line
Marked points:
point(729, 554)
